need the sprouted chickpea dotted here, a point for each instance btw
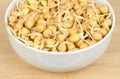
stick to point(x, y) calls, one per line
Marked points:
point(60, 25)
point(75, 37)
point(62, 47)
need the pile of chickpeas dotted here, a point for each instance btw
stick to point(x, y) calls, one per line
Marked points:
point(60, 25)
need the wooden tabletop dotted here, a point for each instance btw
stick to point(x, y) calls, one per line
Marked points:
point(13, 67)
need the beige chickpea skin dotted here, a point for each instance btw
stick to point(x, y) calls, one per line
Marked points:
point(25, 31)
point(67, 24)
point(41, 21)
point(47, 33)
point(18, 26)
point(51, 3)
point(31, 2)
point(103, 31)
point(14, 13)
point(104, 9)
point(72, 31)
point(71, 46)
point(62, 47)
point(43, 2)
point(53, 28)
point(92, 23)
point(60, 37)
point(50, 42)
point(29, 23)
point(12, 18)
point(108, 22)
point(78, 43)
point(75, 37)
point(40, 28)
point(97, 36)
point(25, 11)
point(37, 39)
point(85, 27)
point(83, 45)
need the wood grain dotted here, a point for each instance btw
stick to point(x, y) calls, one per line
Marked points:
point(13, 67)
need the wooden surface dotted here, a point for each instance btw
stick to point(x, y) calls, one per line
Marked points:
point(13, 67)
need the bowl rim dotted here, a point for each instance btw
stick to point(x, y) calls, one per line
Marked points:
point(62, 53)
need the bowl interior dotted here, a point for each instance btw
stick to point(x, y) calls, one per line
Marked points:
point(104, 2)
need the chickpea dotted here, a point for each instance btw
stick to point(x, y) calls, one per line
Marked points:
point(45, 10)
point(41, 16)
point(25, 31)
point(41, 21)
point(60, 37)
point(18, 26)
point(90, 10)
point(47, 33)
point(94, 17)
point(50, 22)
point(104, 9)
point(78, 43)
point(40, 28)
point(47, 15)
point(62, 47)
point(77, 6)
point(51, 3)
point(25, 11)
point(67, 24)
point(54, 49)
point(43, 2)
point(50, 42)
point(21, 6)
point(83, 45)
point(71, 46)
point(79, 11)
point(36, 17)
point(83, 3)
point(31, 2)
point(37, 46)
point(97, 26)
point(71, 16)
point(12, 19)
point(92, 22)
point(92, 42)
point(37, 39)
point(108, 22)
point(52, 28)
point(97, 36)
point(29, 23)
point(85, 27)
point(101, 18)
point(97, 11)
point(72, 31)
point(30, 42)
point(75, 37)
point(14, 13)
point(103, 31)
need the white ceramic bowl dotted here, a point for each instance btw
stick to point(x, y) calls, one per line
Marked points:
point(59, 62)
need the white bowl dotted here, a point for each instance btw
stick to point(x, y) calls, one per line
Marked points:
point(59, 62)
